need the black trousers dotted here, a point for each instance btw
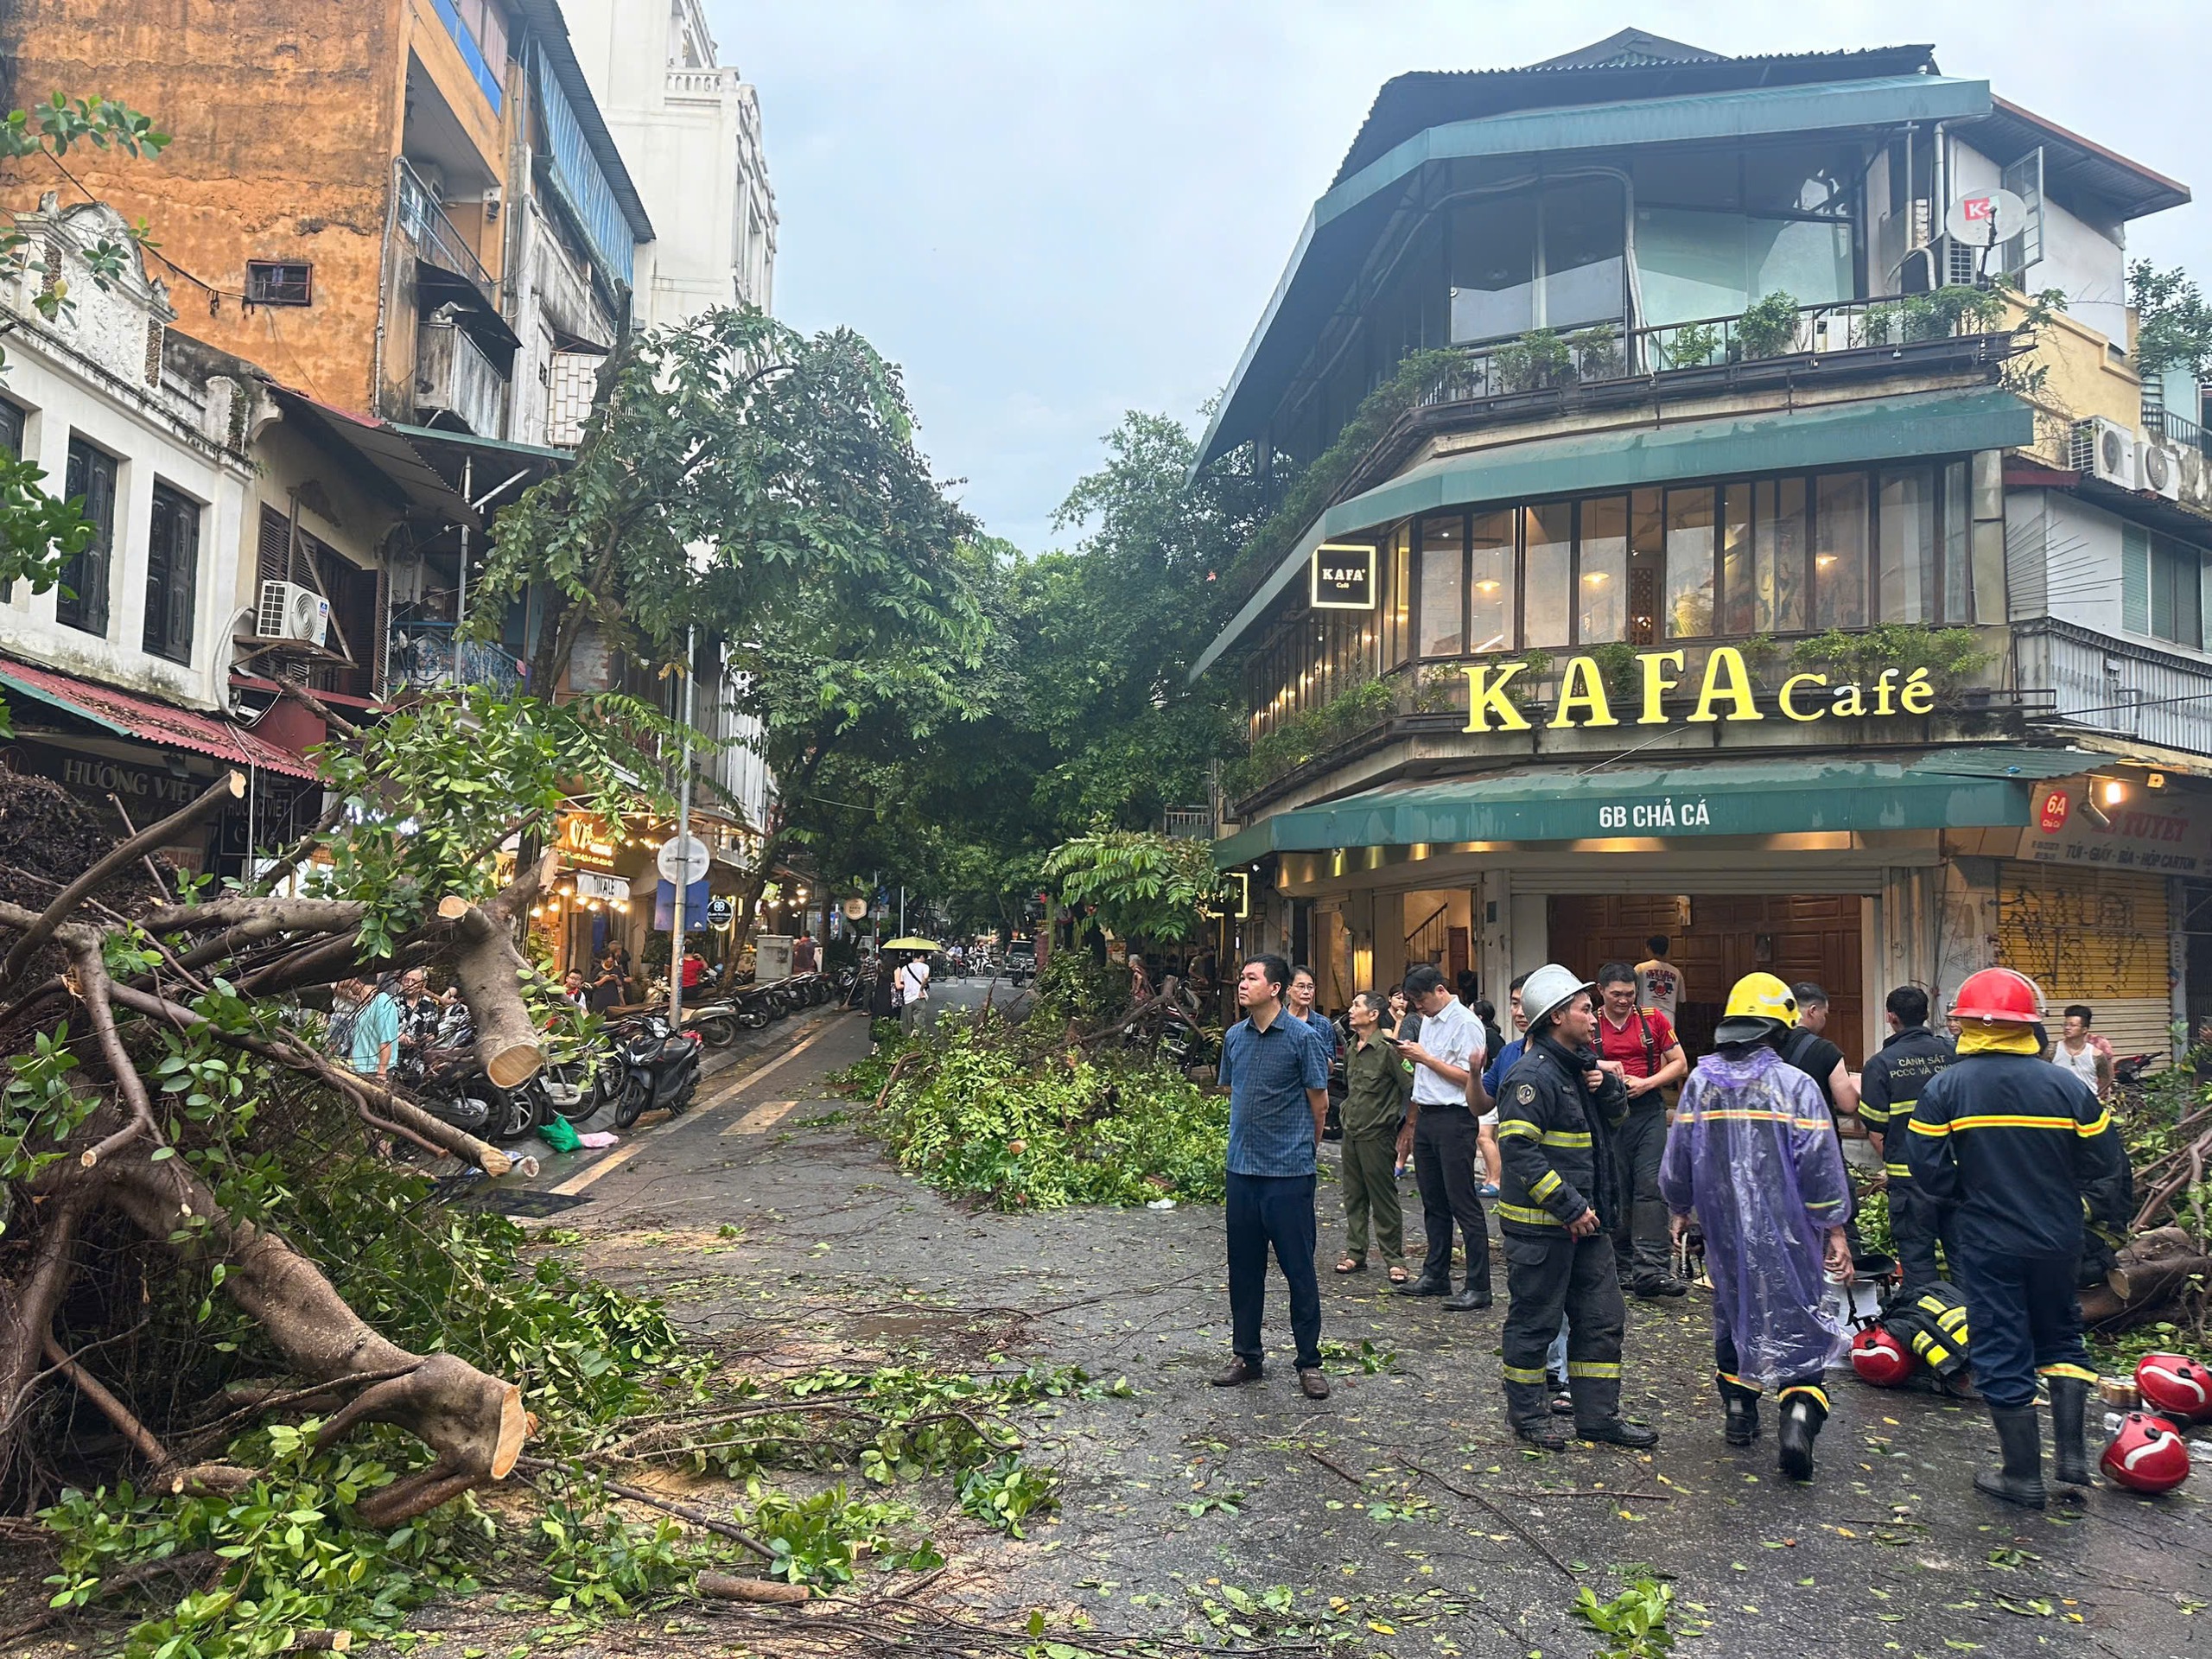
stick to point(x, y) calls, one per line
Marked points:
point(1640, 1238)
point(1913, 1221)
point(1724, 1368)
point(2024, 1321)
point(1547, 1277)
point(1444, 1151)
point(1273, 1210)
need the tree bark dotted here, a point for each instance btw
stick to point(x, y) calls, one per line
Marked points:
point(474, 1423)
point(489, 970)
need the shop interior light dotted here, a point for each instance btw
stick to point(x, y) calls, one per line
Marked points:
point(1597, 577)
point(2114, 791)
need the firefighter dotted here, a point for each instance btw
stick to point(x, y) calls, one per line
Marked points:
point(2014, 1155)
point(1753, 1152)
point(1560, 1189)
point(1891, 1081)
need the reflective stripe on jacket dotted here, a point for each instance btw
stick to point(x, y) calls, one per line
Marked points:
point(1553, 1142)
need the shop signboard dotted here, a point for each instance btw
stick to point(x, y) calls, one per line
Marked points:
point(720, 912)
point(585, 842)
point(612, 889)
point(694, 907)
point(2153, 832)
point(1727, 694)
point(1343, 577)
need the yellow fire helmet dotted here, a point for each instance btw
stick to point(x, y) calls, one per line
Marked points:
point(1758, 1002)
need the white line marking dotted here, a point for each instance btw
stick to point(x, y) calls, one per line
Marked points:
point(621, 1155)
point(764, 1116)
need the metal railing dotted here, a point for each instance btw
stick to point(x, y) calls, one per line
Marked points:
point(425, 656)
point(423, 220)
point(2162, 423)
point(1603, 353)
point(2119, 686)
point(1189, 823)
point(702, 82)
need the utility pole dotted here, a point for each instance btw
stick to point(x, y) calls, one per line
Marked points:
point(682, 883)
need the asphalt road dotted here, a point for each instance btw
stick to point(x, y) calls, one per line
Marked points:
point(1402, 1512)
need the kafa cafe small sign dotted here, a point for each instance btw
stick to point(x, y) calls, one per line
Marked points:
point(1344, 577)
point(1725, 694)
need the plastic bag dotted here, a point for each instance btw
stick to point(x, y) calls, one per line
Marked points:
point(559, 1133)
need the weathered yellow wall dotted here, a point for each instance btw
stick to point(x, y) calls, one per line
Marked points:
point(2083, 378)
point(285, 119)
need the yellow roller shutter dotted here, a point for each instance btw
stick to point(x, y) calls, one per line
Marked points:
point(2091, 936)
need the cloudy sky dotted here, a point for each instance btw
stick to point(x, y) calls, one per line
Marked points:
point(1052, 212)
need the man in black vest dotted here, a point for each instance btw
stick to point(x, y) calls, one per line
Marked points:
point(1888, 1086)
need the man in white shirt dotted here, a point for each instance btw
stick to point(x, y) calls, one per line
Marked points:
point(1658, 982)
point(914, 991)
point(1445, 1136)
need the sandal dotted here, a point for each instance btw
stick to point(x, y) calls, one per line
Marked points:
point(1397, 1276)
point(1351, 1264)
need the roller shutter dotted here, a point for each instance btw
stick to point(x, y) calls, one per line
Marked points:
point(2098, 937)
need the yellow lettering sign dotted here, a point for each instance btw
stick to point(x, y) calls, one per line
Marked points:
point(1486, 696)
point(1581, 691)
point(1656, 684)
point(1847, 702)
point(1785, 697)
point(1915, 695)
point(1726, 680)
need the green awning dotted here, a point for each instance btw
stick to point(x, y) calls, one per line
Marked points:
point(1880, 429)
point(1970, 788)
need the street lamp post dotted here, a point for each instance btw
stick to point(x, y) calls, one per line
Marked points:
point(683, 841)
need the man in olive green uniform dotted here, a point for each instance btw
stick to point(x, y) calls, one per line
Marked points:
point(1377, 1083)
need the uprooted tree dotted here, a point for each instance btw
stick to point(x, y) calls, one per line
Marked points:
point(169, 1103)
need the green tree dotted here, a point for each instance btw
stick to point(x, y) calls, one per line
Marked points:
point(2174, 323)
point(1140, 884)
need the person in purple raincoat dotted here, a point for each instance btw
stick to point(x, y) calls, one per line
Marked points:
point(1753, 1152)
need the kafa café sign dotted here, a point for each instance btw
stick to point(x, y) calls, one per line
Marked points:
point(1725, 694)
point(1342, 578)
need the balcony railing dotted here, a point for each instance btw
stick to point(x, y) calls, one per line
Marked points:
point(702, 83)
point(423, 222)
point(1189, 823)
point(2162, 423)
point(1603, 352)
point(426, 655)
point(2118, 686)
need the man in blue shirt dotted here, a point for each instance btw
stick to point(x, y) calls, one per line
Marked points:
point(1277, 1075)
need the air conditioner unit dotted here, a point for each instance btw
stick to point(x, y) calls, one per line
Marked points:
point(1961, 263)
point(291, 612)
point(2105, 450)
point(2161, 467)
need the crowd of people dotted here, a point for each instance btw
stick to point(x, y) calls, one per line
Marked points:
point(1610, 1159)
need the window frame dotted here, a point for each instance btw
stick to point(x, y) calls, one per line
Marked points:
point(87, 606)
point(186, 514)
point(261, 292)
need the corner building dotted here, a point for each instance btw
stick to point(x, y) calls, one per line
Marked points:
point(1763, 565)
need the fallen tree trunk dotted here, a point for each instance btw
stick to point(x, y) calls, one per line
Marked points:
point(2149, 1269)
point(489, 970)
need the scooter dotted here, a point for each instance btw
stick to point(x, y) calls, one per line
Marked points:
point(660, 1067)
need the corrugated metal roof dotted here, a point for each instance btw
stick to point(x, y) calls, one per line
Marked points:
point(1629, 65)
point(159, 723)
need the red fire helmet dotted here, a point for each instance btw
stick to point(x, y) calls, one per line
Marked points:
point(2174, 1386)
point(1880, 1358)
point(2146, 1455)
point(1999, 994)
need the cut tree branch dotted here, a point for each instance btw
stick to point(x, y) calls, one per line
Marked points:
point(490, 970)
point(230, 787)
point(94, 989)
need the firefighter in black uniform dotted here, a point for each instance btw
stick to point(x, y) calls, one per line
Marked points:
point(1559, 1193)
point(2014, 1155)
point(1888, 1086)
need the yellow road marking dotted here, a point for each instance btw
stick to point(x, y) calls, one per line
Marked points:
point(764, 1116)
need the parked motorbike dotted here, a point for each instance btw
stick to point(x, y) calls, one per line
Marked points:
point(659, 1066)
point(2130, 1068)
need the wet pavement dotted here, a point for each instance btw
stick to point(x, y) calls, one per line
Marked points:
point(1402, 1512)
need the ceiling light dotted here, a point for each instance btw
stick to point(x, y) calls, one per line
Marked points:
point(2114, 791)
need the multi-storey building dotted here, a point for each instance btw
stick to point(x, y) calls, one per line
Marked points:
point(1758, 569)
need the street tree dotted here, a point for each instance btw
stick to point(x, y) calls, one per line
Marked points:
point(1138, 885)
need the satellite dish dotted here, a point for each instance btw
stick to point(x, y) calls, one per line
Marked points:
point(1986, 218)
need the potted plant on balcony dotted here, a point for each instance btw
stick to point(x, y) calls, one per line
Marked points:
point(1540, 357)
point(1768, 329)
point(1692, 346)
point(1597, 351)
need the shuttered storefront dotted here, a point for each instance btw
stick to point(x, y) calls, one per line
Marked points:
point(2098, 937)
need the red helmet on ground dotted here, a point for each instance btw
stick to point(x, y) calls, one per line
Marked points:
point(2146, 1455)
point(2174, 1386)
point(1999, 994)
point(1880, 1358)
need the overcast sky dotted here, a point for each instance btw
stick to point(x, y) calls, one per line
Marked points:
point(1052, 212)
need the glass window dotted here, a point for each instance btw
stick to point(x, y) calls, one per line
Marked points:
point(1738, 600)
point(2177, 599)
point(83, 601)
point(1443, 567)
point(1547, 575)
point(1490, 596)
point(1601, 584)
point(172, 574)
point(1778, 540)
point(1582, 234)
point(1398, 598)
point(1493, 268)
point(1688, 606)
point(1647, 556)
point(1905, 578)
point(1958, 547)
point(1840, 551)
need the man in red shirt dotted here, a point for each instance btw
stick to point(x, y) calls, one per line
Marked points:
point(1639, 1046)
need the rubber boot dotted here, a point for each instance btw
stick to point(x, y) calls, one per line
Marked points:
point(1801, 1414)
point(2069, 1454)
point(1743, 1407)
point(1652, 1275)
point(2020, 1480)
point(1528, 1406)
point(1597, 1412)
